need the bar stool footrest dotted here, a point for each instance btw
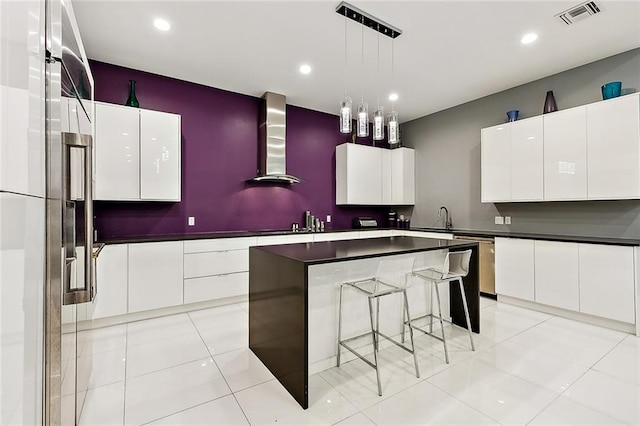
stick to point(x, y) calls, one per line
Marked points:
point(353, 351)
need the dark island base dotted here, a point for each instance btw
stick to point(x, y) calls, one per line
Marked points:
point(278, 314)
point(278, 320)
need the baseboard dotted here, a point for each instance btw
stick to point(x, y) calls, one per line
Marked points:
point(156, 313)
point(489, 295)
point(565, 313)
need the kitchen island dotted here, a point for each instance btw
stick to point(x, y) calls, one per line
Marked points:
point(293, 299)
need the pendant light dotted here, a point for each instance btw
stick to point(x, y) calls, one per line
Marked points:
point(363, 108)
point(345, 103)
point(362, 118)
point(378, 114)
point(392, 119)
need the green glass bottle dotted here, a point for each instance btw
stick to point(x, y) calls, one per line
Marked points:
point(132, 101)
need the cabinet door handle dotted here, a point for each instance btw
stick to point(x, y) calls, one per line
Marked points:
point(87, 291)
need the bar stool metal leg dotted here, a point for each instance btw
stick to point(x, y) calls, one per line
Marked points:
point(375, 351)
point(444, 339)
point(340, 322)
point(466, 313)
point(404, 325)
point(377, 322)
point(413, 348)
point(431, 307)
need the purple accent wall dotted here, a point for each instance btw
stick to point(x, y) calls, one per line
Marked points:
point(220, 152)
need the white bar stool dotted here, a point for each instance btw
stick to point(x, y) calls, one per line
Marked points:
point(391, 277)
point(455, 267)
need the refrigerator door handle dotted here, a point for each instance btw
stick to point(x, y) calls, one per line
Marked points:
point(87, 291)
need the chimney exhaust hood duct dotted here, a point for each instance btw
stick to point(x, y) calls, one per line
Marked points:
point(272, 166)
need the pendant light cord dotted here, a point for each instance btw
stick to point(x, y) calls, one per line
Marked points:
point(346, 80)
point(378, 77)
point(362, 41)
point(392, 72)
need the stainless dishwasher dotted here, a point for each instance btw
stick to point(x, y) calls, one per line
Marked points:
point(486, 263)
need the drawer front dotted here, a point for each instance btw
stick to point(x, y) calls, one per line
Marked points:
point(215, 263)
point(220, 244)
point(216, 287)
point(284, 239)
point(337, 236)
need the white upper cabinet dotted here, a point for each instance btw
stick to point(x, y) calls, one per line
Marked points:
point(367, 175)
point(403, 179)
point(565, 155)
point(138, 154)
point(117, 152)
point(590, 152)
point(613, 148)
point(358, 174)
point(495, 163)
point(527, 160)
point(159, 156)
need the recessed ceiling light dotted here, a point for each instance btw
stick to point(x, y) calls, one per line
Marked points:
point(529, 38)
point(393, 97)
point(305, 69)
point(162, 24)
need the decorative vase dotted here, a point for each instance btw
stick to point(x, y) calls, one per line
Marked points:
point(132, 101)
point(512, 115)
point(549, 103)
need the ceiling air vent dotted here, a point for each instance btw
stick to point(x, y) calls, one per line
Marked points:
point(579, 12)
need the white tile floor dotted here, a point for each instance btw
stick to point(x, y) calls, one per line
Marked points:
point(529, 368)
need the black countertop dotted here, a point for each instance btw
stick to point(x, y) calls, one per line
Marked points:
point(456, 231)
point(338, 251)
point(211, 235)
point(535, 236)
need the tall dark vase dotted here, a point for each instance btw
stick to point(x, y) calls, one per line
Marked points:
point(549, 103)
point(132, 101)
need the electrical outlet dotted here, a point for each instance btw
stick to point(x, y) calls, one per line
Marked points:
point(328, 218)
point(507, 220)
point(192, 221)
point(499, 220)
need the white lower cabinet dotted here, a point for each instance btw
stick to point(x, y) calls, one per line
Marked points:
point(607, 281)
point(215, 263)
point(338, 236)
point(142, 276)
point(271, 240)
point(515, 268)
point(556, 274)
point(216, 287)
point(155, 275)
point(111, 298)
point(593, 279)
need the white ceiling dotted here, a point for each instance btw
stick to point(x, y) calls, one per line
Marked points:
point(450, 52)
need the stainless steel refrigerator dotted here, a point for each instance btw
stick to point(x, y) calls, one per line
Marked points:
point(46, 220)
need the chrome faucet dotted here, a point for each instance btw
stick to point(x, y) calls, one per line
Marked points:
point(447, 219)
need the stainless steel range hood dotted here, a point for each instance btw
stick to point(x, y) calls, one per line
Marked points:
point(272, 161)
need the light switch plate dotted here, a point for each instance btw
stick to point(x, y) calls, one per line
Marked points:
point(328, 218)
point(507, 220)
point(499, 220)
point(192, 221)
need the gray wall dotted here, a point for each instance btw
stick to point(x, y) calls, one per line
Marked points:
point(447, 147)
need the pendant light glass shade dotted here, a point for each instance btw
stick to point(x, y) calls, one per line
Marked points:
point(345, 115)
point(363, 120)
point(378, 124)
point(394, 128)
